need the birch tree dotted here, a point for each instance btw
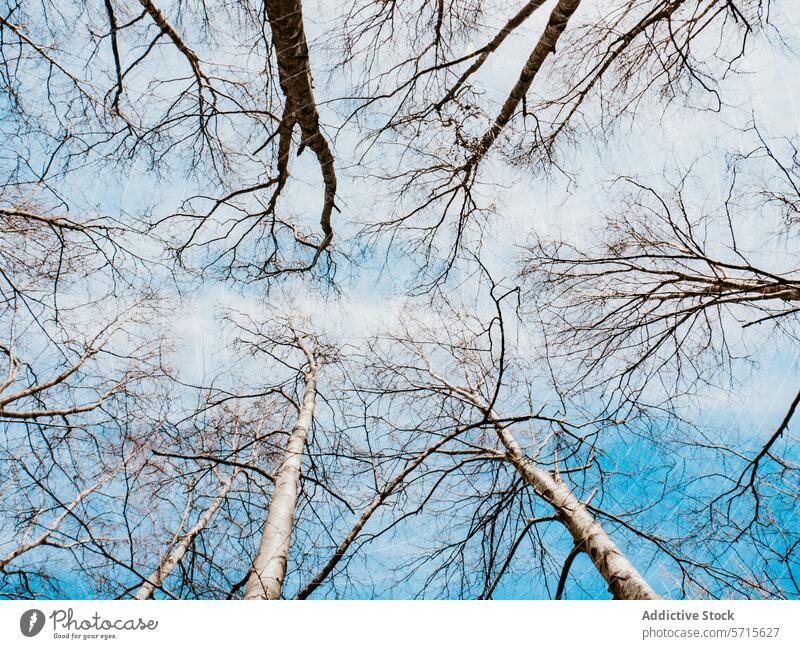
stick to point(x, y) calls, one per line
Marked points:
point(191, 503)
point(682, 295)
point(480, 392)
point(462, 375)
point(269, 565)
point(181, 543)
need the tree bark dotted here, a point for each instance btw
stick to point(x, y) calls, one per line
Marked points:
point(269, 567)
point(545, 46)
point(624, 581)
point(169, 562)
point(294, 73)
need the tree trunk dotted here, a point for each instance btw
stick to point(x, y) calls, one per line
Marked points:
point(44, 537)
point(269, 567)
point(376, 502)
point(545, 46)
point(624, 581)
point(169, 562)
point(294, 73)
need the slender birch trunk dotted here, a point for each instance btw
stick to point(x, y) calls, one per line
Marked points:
point(44, 537)
point(624, 581)
point(171, 560)
point(376, 502)
point(269, 567)
point(545, 46)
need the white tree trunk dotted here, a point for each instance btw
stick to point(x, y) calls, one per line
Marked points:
point(376, 502)
point(269, 567)
point(44, 537)
point(169, 562)
point(624, 581)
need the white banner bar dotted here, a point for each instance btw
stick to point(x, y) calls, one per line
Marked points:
point(400, 624)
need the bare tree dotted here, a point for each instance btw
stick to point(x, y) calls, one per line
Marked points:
point(590, 65)
point(673, 299)
point(160, 159)
point(217, 459)
point(180, 545)
point(269, 565)
point(480, 390)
